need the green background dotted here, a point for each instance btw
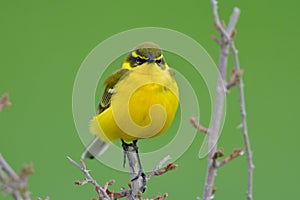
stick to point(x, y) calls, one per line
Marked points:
point(43, 43)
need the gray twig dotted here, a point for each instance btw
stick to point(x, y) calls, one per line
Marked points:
point(105, 194)
point(101, 192)
point(157, 171)
point(218, 109)
point(225, 43)
point(12, 183)
point(198, 126)
point(244, 123)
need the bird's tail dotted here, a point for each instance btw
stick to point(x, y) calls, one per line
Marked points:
point(95, 148)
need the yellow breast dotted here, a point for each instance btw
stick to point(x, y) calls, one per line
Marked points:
point(144, 105)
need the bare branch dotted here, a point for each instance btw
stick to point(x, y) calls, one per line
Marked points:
point(105, 194)
point(219, 105)
point(198, 126)
point(7, 168)
point(12, 183)
point(101, 192)
point(233, 20)
point(244, 122)
point(157, 172)
point(236, 153)
point(225, 42)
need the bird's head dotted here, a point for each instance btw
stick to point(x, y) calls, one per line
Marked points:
point(145, 54)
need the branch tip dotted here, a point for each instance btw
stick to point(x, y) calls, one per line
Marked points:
point(234, 77)
point(4, 101)
point(198, 126)
point(236, 153)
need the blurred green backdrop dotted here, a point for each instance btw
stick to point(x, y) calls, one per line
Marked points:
point(43, 43)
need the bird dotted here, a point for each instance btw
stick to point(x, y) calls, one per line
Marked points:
point(140, 101)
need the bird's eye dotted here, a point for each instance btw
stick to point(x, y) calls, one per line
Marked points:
point(139, 60)
point(159, 62)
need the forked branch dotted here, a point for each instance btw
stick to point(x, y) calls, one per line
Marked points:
point(225, 42)
point(13, 183)
point(105, 194)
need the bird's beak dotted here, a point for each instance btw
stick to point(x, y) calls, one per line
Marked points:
point(151, 58)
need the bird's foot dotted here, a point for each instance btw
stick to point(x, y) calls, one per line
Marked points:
point(144, 181)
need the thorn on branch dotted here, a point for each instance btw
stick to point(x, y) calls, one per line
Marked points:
point(198, 126)
point(217, 40)
point(239, 126)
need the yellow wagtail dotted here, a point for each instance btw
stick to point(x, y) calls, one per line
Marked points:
point(140, 101)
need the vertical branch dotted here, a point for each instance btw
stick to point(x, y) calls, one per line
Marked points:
point(244, 122)
point(214, 130)
point(226, 42)
point(218, 111)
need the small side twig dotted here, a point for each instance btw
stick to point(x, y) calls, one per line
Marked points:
point(159, 197)
point(4, 101)
point(105, 194)
point(157, 171)
point(198, 126)
point(89, 179)
point(236, 153)
point(13, 183)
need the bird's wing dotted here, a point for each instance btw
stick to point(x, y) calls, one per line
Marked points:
point(97, 147)
point(110, 83)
